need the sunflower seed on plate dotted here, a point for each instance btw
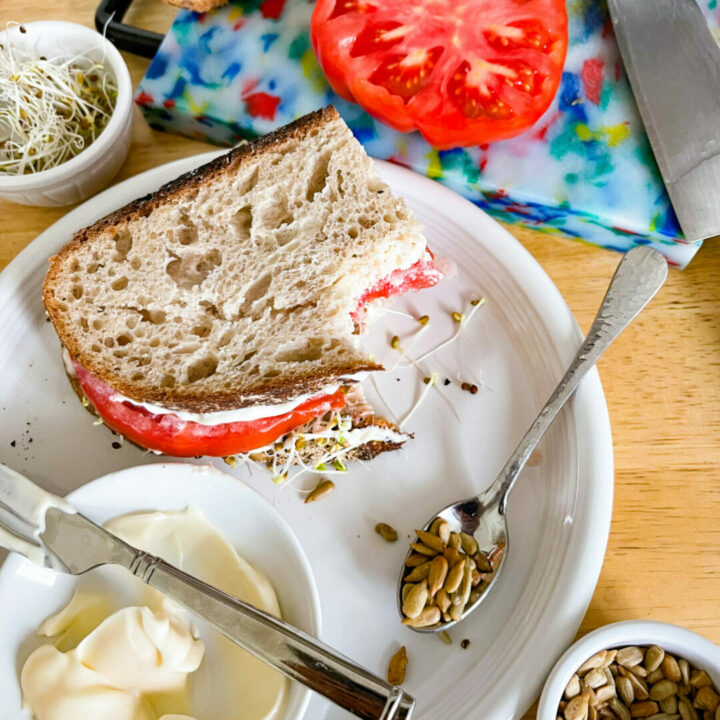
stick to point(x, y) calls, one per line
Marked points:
point(609, 676)
point(386, 532)
point(456, 612)
point(604, 693)
point(629, 656)
point(323, 488)
point(428, 616)
point(419, 573)
point(435, 525)
point(397, 667)
point(443, 635)
point(452, 555)
point(653, 658)
point(686, 710)
point(442, 600)
point(594, 661)
point(443, 532)
point(415, 600)
point(454, 541)
point(407, 587)
point(638, 670)
point(483, 562)
point(640, 688)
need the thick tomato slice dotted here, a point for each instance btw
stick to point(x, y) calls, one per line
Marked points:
point(462, 73)
point(170, 435)
point(423, 274)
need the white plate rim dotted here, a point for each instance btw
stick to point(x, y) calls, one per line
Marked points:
point(585, 553)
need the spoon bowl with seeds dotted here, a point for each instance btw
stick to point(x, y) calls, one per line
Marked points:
point(456, 558)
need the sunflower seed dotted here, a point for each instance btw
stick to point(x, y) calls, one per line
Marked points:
point(435, 524)
point(684, 667)
point(482, 562)
point(671, 669)
point(707, 699)
point(594, 661)
point(442, 600)
point(419, 573)
point(452, 556)
point(629, 656)
point(643, 709)
point(456, 612)
point(437, 574)
point(573, 687)
point(595, 678)
point(397, 667)
point(387, 532)
point(577, 708)
point(432, 541)
point(415, 559)
point(700, 679)
point(638, 670)
point(424, 549)
point(655, 676)
point(653, 658)
point(686, 710)
point(669, 705)
point(663, 690)
point(468, 543)
point(443, 532)
point(619, 709)
point(443, 635)
point(323, 488)
point(406, 588)
point(454, 576)
point(604, 693)
point(454, 541)
point(625, 689)
point(415, 600)
point(428, 616)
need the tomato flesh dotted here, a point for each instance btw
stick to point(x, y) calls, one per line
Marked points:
point(170, 435)
point(460, 73)
point(422, 274)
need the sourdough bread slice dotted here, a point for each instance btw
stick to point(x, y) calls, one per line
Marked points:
point(234, 285)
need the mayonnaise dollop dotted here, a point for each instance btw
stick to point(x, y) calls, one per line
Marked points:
point(229, 684)
point(114, 671)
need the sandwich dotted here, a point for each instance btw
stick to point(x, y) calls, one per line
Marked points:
point(221, 315)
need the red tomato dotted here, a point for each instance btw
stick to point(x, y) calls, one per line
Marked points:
point(462, 73)
point(170, 435)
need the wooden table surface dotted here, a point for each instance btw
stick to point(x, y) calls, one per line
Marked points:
point(661, 380)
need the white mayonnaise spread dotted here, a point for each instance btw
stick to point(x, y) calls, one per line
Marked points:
point(150, 656)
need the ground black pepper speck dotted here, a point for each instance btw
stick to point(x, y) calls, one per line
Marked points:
point(116, 445)
point(465, 644)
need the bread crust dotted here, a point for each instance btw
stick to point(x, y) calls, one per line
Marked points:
point(197, 5)
point(267, 391)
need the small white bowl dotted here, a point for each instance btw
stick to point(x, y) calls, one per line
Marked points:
point(678, 641)
point(92, 169)
point(29, 594)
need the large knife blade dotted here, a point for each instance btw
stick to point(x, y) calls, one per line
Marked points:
point(673, 63)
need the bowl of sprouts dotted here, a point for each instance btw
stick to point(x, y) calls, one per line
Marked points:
point(65, 113)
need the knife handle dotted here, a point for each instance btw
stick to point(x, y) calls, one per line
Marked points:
point(289, 650)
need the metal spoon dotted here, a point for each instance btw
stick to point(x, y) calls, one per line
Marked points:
point(639, 276)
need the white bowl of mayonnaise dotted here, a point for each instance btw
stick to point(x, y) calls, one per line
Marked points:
point(73, 646)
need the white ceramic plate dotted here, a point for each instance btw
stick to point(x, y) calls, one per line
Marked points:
point(517, 345)
point(28, 594)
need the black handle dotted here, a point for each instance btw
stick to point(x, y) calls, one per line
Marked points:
point(108, 20)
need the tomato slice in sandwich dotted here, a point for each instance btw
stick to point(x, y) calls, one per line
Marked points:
point(170, 435)
point(462, 73)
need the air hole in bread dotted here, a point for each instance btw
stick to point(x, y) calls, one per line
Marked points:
point(155, 342)
point(84, 324)
point(92, 268)
point(226, 339)
point(187, 232)
point(241, 222)
point(366, 222)
point(189, 270)
point(202, 330)
point(123, 339)
point(272, 373)
point(246, 184)
point(401, 214)
point(135, 264)
point(132, 321)
point(75, 265)
point(95, 347)
point(318, 178)
point(120, 284)
point(353, 232)
point(156, 317)
point(209, 308)
point(311, 350)
point(390, 219)
point(123, 245)
point(77, 292)
point(119, 354)
point(203, 368)
point(136, 377)
point(167, 381)
point(256, 291)
point(109, 342)
point(97, 324)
